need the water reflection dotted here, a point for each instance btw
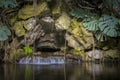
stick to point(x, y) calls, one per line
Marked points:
point(84, 71)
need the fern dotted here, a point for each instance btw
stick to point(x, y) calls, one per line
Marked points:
point(4, 33)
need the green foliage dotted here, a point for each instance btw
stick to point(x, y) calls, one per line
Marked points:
point(4, 33)
point(107, 25)
point(8, 3)
point(91, 24)
point(99, 36)
point(80, 13)
point(28, 50)
point(101, 26)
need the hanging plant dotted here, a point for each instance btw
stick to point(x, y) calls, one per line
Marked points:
point(4, 33)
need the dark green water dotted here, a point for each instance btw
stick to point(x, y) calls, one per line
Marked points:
point(60, 72)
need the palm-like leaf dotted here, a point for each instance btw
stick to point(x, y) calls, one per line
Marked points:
point(80, 13)
point(108, 25)
point(90, 24)
point(3, 35)
point(8, 3)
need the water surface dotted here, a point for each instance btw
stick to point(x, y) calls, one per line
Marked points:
point(70, 71)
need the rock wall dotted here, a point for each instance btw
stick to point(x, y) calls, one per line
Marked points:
point(49, 25)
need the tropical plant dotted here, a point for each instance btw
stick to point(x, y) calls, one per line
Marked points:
point(109, 25)
point(105, 25)
point(8, 3)
point(4, 33)
point(28, 50)
point(81, 13)
point(101, 26)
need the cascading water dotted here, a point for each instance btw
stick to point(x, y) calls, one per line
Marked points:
point(41, 60)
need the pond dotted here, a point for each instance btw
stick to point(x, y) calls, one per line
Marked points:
point(69, 71)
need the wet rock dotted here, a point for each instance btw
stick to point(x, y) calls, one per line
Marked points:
point(36, 33)
point(79, 32)
point(111, 54)
point(28, 11)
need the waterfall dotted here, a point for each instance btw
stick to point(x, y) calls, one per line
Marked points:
point(42, 60)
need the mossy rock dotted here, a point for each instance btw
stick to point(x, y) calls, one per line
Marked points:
point(29, 11)
point(63, 22)
point(75, 28)
point(18, 28)
point(83, 36)
point(56, 9)
point(73, 42)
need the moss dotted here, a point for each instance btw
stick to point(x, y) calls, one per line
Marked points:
point(78, 52)
point(28, 10)
point(12, 20)
point(18, 28)
point(76, 30)
point(16, 54)
point(56, 9)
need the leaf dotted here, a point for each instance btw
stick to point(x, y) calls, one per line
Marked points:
point(108, 25)
point(6, 30)
point(81, 13)
point(3, 35)
point(91, 25)
point(99, 36)
point(8, 3)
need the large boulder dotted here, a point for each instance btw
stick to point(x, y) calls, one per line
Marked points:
point(20, 27)
point(63, 22)
point(52, 38)
point(73, 42)
point(79, 32)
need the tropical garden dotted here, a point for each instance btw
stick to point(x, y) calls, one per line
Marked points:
point(79, 29)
